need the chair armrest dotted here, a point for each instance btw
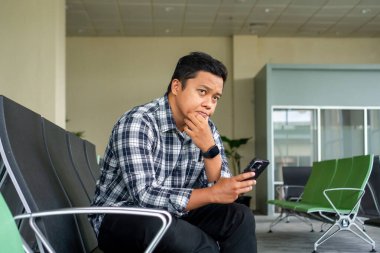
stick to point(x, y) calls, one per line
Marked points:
point(164, 216)
point(325, 193)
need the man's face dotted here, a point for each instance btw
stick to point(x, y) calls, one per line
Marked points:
point(200, 95)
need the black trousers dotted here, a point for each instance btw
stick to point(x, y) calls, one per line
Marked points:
point(225, 228)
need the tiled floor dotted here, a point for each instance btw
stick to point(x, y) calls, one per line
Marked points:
point(296, 237)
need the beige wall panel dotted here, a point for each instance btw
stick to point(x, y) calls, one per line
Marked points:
point(32, 62)
point(108, 76)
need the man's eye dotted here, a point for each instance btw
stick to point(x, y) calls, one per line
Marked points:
point(202, 92)
point(216, 98)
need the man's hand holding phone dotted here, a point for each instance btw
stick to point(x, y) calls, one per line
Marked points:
point(257, 166)
point(227, 190)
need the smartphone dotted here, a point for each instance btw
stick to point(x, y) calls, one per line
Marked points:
point(257, 166)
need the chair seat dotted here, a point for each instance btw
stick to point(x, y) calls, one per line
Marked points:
point(285, 204)
point(310, 208)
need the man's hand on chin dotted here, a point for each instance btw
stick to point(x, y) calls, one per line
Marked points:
point(199, 131)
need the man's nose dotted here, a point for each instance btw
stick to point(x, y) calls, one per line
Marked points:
point(207, 102)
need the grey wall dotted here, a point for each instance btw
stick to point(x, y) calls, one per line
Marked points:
point(324, 85)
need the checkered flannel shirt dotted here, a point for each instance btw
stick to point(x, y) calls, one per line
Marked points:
point(150, 163)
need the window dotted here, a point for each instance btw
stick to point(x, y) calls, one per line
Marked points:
point(295, 138)
point(373, 131)
point(342, 133)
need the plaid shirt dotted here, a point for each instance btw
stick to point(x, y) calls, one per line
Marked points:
point(150, 163)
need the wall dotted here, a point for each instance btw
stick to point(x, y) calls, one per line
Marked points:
point(108, 76)
point(32, 62)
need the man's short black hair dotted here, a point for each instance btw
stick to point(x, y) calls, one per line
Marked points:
point(189, 65)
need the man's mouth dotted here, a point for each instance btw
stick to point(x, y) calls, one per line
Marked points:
point(204, 115)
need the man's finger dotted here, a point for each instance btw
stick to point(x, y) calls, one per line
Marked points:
point(196, 117)
point(244, 176)
point(244, 190)
point(189, 123)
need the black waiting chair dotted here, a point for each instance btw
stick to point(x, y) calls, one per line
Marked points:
point(36, 183)
point(29, 150)
point(370, 204)
point(58, 151)
point(295, 178)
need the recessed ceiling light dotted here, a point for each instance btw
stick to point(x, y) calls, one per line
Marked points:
point(169, 9)
point(366, 11)
point(267, 10)
point(167, 30)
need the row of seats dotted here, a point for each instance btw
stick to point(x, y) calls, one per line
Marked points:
point(46, 157)
point(49, 168)
point(333, 193)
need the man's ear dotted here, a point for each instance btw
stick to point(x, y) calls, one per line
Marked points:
point(176, 86)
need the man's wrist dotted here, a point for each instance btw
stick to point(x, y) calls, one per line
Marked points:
point(212, 195)
point(211, 152)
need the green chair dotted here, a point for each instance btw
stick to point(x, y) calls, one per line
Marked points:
point(333, 194)
point(10, 239)
point(321, 175)
point(333, 175)
point(344, 196)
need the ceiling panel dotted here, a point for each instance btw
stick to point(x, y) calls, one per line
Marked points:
point(313, 18)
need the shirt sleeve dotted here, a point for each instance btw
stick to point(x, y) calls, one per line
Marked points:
point(133, 144)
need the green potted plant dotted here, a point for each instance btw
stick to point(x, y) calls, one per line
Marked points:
point(231, 150)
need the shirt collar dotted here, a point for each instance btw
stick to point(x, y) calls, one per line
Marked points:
point(165, 115)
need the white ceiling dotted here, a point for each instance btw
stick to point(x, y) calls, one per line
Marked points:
point(291, 18)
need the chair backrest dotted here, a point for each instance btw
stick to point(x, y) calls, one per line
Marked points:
point(57, 146)
point(27, 161)
point(91, 159)
point(343, 171)
point(295, 175)
point(321, 175)
point(78, 155)
point(10, 240)
point(358, 178)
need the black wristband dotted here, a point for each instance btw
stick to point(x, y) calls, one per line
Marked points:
point(212, 152)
